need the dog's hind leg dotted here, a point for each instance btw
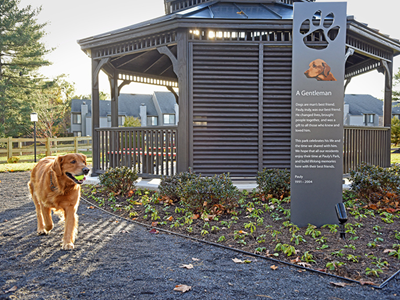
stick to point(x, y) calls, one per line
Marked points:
point(71, 228)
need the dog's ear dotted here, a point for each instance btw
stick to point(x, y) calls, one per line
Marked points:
point(57, 165)
point(327, 69)
point(83, 157)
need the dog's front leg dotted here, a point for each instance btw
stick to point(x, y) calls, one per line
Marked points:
point(71, 227)
point(48, 221)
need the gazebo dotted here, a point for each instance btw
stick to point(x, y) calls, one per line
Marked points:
point(231, 62)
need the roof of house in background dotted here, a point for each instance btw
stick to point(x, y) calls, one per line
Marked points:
point(129, 104)
point(167, 101)
point(363, 104)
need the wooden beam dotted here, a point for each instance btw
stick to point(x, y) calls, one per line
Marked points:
point(169, 67)
point(96, 67)
point(114, 99)
point(387, 102)
point(131, 60)
point(139, 74)
point(181, 70)
point(171, 89)
point(347, 83)
point(165, 50)
point(125, 82)
point(260, 107)
point(153, 64)
point(362, 68)
point(387, 105)
point(109, 69)
point(349, 52)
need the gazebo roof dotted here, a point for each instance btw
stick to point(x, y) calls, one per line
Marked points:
point(232, 10)
point(212, 10)
point(132, 50)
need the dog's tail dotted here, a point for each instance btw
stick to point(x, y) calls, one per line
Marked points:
point(60, 214)
point(30, 187)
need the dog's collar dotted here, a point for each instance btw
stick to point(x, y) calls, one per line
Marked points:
point(52, 186)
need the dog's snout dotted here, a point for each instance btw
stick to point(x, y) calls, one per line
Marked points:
point(85, 170)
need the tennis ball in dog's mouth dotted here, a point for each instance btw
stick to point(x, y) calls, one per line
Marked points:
point(79, 177)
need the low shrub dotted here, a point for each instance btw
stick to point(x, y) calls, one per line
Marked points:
point(168, 185)
point(212, 195)
point(275, 182)
point(373, 183)
point(13, 160)
point(119, 180)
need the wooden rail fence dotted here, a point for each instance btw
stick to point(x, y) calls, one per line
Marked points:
point(15, 147)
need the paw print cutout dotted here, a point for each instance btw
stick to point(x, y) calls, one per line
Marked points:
point(319, 32)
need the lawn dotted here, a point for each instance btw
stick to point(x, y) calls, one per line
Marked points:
point(27, 166)
point(395, 157)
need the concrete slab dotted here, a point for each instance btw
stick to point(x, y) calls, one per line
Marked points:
point(153, 183)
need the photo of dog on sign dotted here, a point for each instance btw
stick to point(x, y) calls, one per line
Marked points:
point(319, 70)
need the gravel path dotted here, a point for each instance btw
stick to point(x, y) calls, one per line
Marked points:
point(116, 259)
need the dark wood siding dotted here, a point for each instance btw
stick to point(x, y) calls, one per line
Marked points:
point(225, 109)
point(240, 108)
point(277, 106)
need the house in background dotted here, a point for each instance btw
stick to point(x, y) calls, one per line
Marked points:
point(362, 110)
point(396, 109)
point(158, 109)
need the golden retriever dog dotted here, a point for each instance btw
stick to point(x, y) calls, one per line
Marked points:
point(54, 186)
point(319, 70)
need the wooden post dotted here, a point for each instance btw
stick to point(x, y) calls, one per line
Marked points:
point(55, 146)
point(114, 98)
point(76, 144)
point(387, 102)
point(387, 105)
point(10, 148)
point(96, 67)
point(114, 142)
point(260, 107)
point(180, 67)
point(184, 134)
point(48, 147)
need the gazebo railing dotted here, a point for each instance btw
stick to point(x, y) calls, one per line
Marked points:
point(365, 144)
point(150, 150)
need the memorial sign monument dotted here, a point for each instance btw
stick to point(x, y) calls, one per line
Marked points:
point(319, 33)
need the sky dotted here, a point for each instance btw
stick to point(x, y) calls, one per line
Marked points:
point(72, 20)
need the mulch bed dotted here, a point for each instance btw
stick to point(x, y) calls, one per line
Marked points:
point(262, 224)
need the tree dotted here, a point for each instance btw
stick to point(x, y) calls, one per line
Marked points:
point(102, 96)
point(395, 131)
point(53, 106)
point(396, 81)
point(21, 55)
point(132, 122)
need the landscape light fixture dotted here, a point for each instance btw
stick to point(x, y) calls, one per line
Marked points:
point(34, 119)
point(342, 217)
